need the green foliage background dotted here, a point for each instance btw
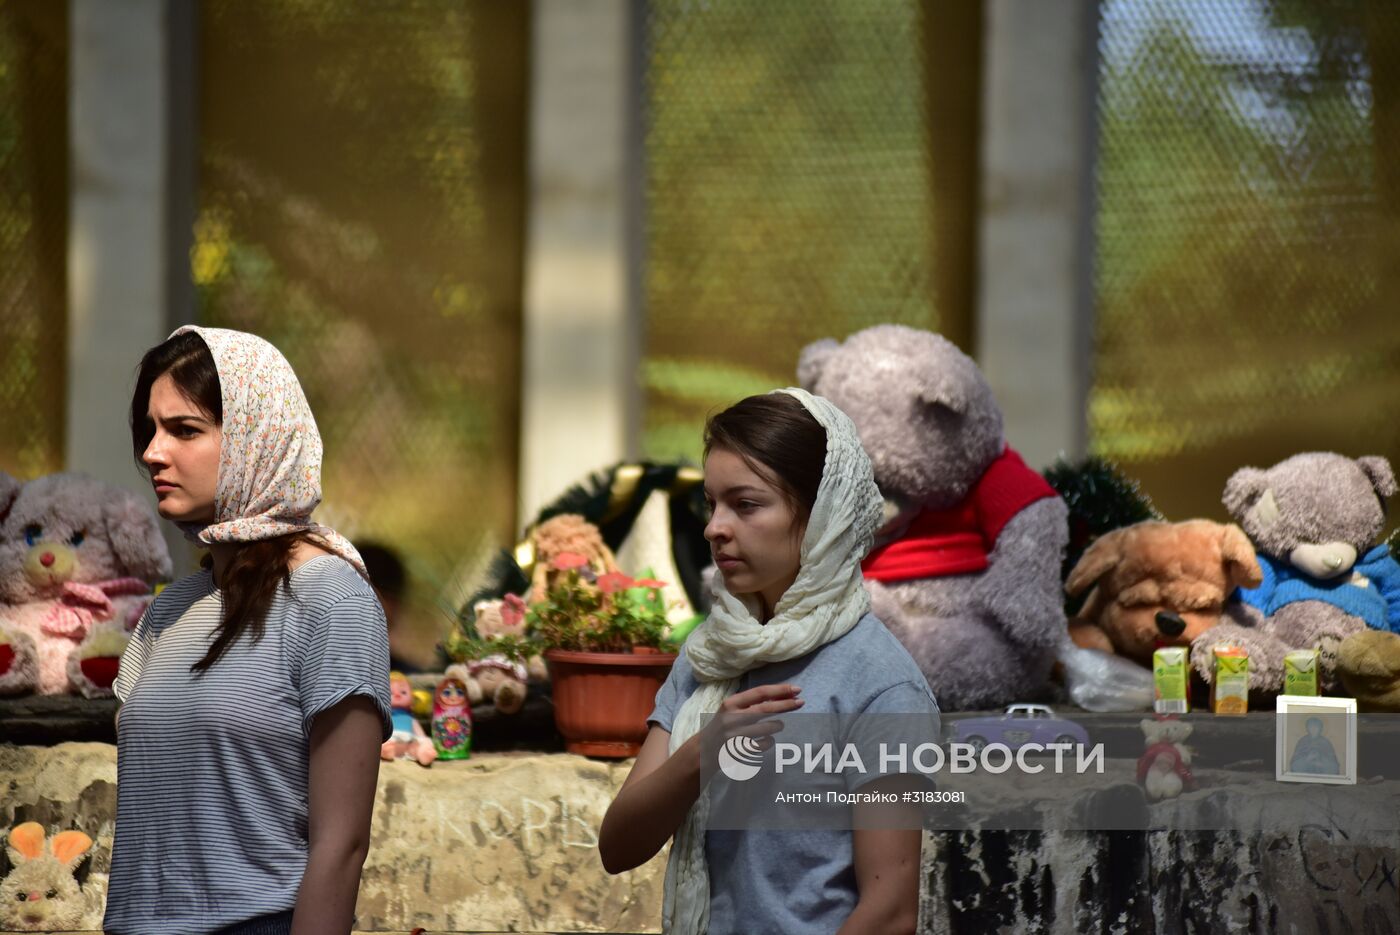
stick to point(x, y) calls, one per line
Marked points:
point(362, 198)
point(361, 206)
point(33, 235)
point(788, 195)
point(1248, 305)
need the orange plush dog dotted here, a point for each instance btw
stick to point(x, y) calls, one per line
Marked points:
point(1158, 584)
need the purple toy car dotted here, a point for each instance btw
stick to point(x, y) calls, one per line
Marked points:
point(1021, 724)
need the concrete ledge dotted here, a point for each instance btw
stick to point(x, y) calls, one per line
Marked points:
point(507, 842)
point(500, 842)
point(46, 720)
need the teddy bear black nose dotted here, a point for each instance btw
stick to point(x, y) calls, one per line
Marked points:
point(1170, 623)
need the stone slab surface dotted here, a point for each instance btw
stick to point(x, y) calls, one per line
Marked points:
point(500, 842)
point(72, 786)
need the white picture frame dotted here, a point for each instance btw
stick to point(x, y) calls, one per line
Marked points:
point(1315, 739)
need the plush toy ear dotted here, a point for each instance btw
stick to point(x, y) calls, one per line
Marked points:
point(1378, 470)
point(135, 537)
point(9, 492)
point(1105, 552)
point(68, 847)
point(27, 841)
point(811, 361)
point(1238, 554)
point(942, 389)
point(1242, 489)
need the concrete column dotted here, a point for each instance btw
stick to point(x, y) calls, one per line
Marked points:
point(580, 395)
point(132, 133)
point(1035, 306)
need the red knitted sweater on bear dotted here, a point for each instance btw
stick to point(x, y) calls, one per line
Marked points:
point(957, 541)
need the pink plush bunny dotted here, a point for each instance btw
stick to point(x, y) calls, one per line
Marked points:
point(77, 561)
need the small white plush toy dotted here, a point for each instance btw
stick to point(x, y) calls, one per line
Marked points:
point(1164, 769)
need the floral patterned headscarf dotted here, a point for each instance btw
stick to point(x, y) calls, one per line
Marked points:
point(270, 459)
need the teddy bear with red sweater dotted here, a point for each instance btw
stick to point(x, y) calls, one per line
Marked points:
point(965, 570)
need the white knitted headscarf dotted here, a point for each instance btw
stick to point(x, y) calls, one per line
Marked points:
point(825, 601)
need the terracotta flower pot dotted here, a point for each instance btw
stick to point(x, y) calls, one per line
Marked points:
point(100, 670)
point(601, 700)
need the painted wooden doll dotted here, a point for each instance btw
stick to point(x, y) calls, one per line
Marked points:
point(452, 716)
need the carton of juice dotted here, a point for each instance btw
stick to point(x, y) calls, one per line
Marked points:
point(1229, 690)
point(1170, 679)
point(1300, 672)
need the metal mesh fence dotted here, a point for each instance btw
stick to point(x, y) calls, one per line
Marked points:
point(361, 206)
point(1248, 268)
point(33, 234)
point(788, 194)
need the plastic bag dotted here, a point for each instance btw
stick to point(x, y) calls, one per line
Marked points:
point(1098, 681)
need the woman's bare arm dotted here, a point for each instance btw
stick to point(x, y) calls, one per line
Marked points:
point(341, 781)
point(651, 804)
point(886, 846)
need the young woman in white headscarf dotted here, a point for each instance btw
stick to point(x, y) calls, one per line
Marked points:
point(793, 511)
point(255, 693)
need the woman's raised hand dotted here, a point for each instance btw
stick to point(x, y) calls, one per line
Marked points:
point(662, 786)
point(747, 713)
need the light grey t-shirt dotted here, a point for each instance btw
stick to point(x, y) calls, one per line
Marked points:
point(803, 882)
point(212, 768)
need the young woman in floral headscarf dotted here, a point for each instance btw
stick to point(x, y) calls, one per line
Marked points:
point(256, 692)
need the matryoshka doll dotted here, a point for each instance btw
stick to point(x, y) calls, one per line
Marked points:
point(452, 716)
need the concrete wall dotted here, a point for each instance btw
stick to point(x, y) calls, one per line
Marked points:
point(131, 221)
point(1035, 296)
point(580, 396)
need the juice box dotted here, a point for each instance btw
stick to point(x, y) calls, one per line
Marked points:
point(1300, 672)
point(1229, 690)
point(1170, 678)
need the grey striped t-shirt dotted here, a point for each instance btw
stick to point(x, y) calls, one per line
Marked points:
point(212, 768)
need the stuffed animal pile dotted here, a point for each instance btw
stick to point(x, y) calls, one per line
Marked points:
point(78, 559)
point(966, 569)
point(1301, 571)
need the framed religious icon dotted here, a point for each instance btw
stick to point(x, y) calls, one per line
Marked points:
point(1316, 739)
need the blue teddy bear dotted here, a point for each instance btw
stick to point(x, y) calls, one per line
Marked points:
point(1314, 520)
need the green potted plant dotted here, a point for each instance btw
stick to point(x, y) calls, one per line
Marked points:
point(606, 641)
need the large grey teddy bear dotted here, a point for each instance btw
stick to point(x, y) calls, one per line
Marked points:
point(966, 569)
